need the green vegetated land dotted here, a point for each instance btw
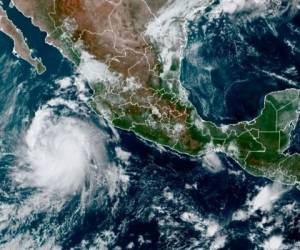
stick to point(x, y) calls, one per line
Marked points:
point(258, 146)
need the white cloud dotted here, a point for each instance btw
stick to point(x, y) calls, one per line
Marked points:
point(122, 154)
point(189, 217)
point(64, 82)
point(240, 215)
point(59, 152)
point(60, 101)
point(213, 162)
point(93, 70)
point(273, 243)
point(212, 227)
point(254, 8)
point(218, 243)
point(64, 156)
point(264, 200)
point(267, 196)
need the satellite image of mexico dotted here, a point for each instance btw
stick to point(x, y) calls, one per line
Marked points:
point(150, 124)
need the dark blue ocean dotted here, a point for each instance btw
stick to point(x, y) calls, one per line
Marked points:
point(144, 197)
point(233, 61)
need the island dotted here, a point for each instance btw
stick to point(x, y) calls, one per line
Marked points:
point(130, 51)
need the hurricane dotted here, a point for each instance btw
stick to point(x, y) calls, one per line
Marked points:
point(61, 155)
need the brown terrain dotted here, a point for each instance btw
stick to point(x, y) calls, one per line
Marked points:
point(20, 46)
point(109, 30)
point(112, 32)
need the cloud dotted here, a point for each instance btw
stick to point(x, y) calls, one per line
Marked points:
point(267, 196)
point(273, 243)
point(213, 162)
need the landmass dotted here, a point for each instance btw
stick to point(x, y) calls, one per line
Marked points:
point(20, 47)
point(131, 54)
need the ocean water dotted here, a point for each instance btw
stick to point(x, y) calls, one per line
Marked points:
point(232, 61)
point(70, 180)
